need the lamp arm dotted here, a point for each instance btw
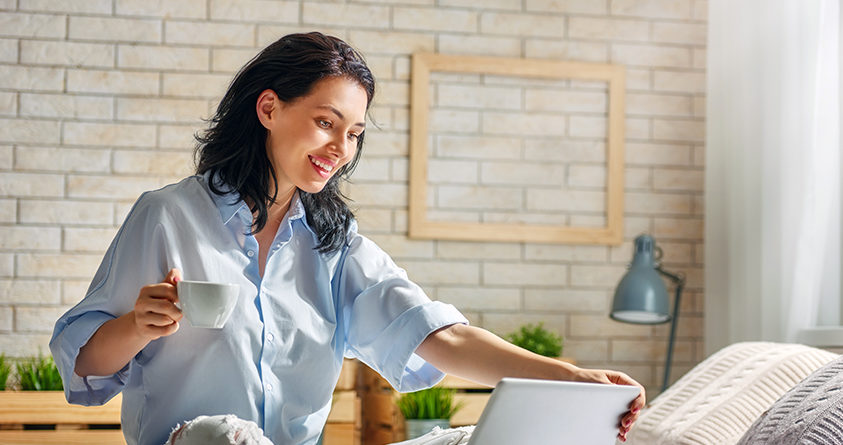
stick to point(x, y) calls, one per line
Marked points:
point(679, 281)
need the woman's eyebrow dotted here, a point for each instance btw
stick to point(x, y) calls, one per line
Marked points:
point(340, 115)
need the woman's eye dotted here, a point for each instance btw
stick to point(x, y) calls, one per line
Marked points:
point(353, 136)
point(324, 124)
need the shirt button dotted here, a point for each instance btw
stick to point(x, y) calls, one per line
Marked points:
point(277, 245)
point(270, 337)
point(269, 387)
point(250, 253)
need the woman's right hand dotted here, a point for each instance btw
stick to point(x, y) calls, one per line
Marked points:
point(155, 313)
point(118, 340)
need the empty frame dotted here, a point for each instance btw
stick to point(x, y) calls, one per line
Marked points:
point(523, 150)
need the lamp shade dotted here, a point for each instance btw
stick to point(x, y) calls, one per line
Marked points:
point(641, 296)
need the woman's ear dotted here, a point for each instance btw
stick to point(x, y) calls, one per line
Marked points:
point(267, 102)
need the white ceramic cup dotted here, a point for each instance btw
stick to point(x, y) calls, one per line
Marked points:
point(206, 304)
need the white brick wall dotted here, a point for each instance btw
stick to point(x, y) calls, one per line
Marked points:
point(95, 93)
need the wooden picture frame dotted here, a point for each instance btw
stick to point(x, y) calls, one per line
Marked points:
point(419, 225)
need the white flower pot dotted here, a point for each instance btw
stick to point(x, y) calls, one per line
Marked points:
point(420, 427)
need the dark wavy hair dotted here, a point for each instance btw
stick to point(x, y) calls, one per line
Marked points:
point(233, 148)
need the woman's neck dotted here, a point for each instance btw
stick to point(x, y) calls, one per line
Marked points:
point(279, 208)
point(276, 210)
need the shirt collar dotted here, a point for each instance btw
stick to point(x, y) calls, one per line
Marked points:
point(296, 210)
point(229, 203)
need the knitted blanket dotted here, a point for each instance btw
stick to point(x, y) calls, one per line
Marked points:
point(811, 413)
point(716, 402)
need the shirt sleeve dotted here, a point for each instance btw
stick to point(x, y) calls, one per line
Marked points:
point(387, 316)
point(135, 258)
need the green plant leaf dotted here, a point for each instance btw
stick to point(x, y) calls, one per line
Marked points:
point(5, 370)
point(39, 374)
point(537, 339)
point(431, 403)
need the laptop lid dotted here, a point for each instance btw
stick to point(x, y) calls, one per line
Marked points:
point(525, 411)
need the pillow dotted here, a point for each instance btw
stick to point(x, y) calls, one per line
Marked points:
point(810, 413)
point(718, 400)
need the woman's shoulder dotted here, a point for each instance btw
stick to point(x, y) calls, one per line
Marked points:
point(362, 247)
point(178, 197)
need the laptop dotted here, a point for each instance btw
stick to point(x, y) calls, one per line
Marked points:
point(539, 412)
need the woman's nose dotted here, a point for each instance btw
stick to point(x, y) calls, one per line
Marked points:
point(342, 146)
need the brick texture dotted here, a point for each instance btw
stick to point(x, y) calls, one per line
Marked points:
point(99, 101)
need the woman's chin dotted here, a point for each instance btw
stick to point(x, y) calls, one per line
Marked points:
point(312, 188)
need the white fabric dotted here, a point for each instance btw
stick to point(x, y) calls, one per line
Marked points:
point(218, 430)
point(718, 400)
point(772, 197)
point(439, 436)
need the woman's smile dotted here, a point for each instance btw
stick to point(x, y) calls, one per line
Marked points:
point(322, 166)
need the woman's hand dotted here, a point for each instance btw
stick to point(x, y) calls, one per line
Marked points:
point(478, 355)
point(118, 340)
point(155, 314)
point(616, 378)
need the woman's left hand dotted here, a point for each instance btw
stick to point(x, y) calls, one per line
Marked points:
point(477, 354)
point(616, 378)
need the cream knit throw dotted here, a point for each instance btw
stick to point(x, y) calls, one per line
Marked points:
point(716, 402)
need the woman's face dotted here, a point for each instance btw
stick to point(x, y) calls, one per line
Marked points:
point(312, 137)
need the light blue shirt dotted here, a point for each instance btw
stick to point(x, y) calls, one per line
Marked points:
point(278, 358)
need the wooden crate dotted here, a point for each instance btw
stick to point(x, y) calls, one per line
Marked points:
point(382, 422)
point(344, 423)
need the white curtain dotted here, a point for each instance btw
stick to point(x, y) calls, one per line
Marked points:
point(772, 196)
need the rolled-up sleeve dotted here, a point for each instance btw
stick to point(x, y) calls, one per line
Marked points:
point(133, 260)
point(71, 333)
point(387, 316)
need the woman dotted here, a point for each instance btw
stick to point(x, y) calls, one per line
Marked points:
point(264, 211)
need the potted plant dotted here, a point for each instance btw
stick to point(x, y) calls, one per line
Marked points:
point(39, 374)
point(423, 410)
point(5, 369)
point(537, 339)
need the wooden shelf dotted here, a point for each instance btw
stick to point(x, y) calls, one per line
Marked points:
point(62, 437)
point(50, 407)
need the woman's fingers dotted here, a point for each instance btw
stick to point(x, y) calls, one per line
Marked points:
point(155, 332)
point(635, 406)
point(164, 306)
point(626, 424)
point(156, 313)
point(620, 378)
point(628, 420)
point(639, 402)
point(156, 319)
point(160, 290)
point(173, 277)
point(155, 322)
point(157, 304)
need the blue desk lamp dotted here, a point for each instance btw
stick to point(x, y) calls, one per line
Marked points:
point(641, 297)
